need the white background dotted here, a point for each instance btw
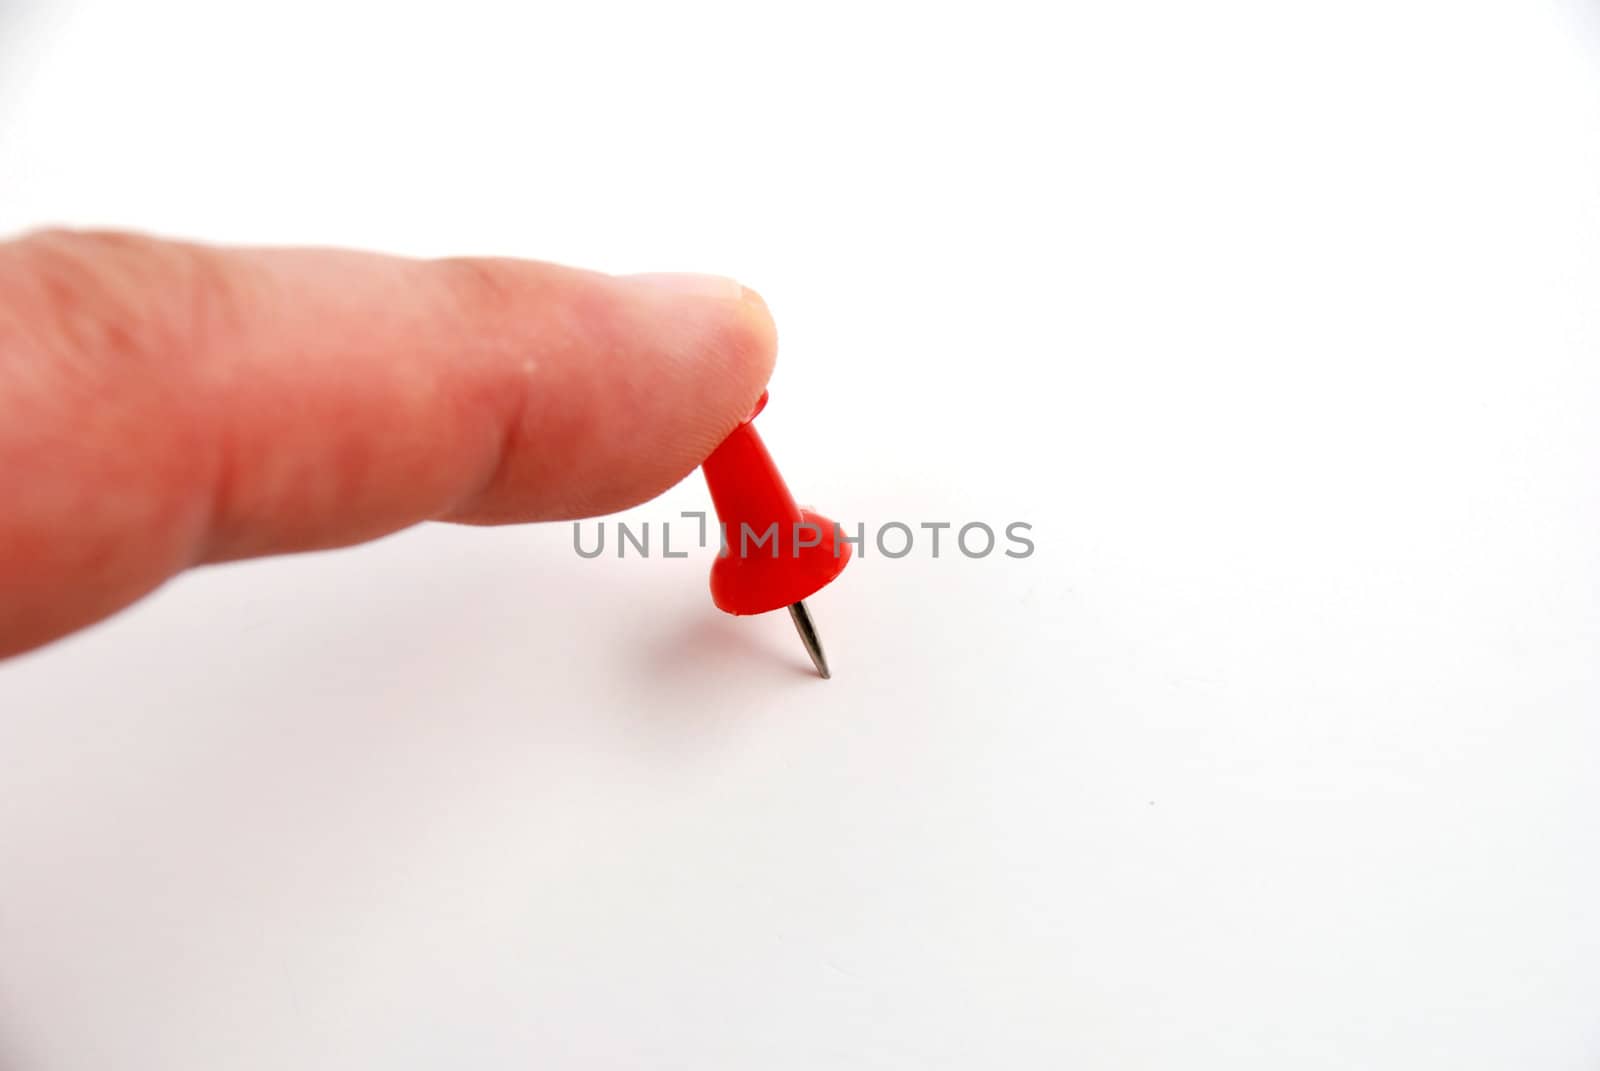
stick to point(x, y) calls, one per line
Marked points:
point(1278, 322)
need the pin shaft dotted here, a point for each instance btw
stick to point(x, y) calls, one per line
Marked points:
point(808, 636)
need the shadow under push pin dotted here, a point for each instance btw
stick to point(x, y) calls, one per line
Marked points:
point(774, 554)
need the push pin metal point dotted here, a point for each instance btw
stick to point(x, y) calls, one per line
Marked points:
point(808, 636)
point(775, 554)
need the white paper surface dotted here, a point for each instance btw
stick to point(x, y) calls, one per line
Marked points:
point(1278, 325)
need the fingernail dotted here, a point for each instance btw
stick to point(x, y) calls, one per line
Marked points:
point(704, 286)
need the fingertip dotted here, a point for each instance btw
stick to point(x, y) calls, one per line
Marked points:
point(764, 336)
point(752, 344)
point(669, 365)
point(730, 352)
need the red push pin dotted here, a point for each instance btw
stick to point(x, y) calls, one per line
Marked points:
point(774, 553)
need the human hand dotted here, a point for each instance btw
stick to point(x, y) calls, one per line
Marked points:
point(164, 405)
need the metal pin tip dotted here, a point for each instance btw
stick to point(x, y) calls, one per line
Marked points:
point(808, 636)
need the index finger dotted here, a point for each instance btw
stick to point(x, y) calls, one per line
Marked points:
point(167, 404)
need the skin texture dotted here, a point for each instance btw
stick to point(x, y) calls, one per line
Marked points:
point(164, 405)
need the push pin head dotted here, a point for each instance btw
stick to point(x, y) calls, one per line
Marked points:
point(775, 554)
